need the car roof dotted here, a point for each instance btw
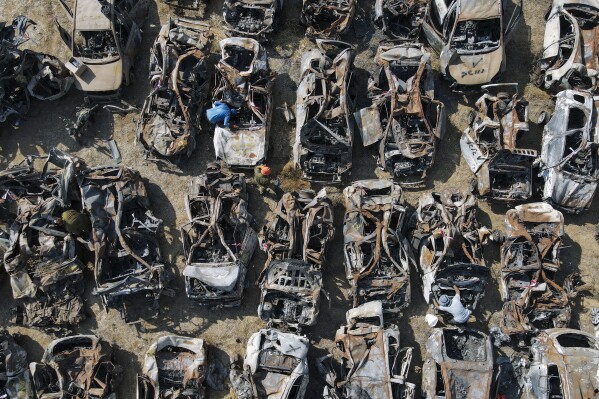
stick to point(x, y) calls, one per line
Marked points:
point(89, 16)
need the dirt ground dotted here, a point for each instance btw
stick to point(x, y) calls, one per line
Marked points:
point(229, 329)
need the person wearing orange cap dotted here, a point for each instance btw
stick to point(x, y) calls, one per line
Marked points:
point(262, 176)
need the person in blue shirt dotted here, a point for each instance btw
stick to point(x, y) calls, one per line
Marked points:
point(220, 112)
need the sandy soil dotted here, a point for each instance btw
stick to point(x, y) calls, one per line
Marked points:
point(229, 330)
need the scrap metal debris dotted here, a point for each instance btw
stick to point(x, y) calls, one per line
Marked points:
point(400, 19)
point(275, 367)
point(243, 81)
point(218, 241)
point(256, 19)
point(327, 19)
point(447, 238)
point(324, 130)
point(569, 155)
point(490, 145)
point(296, 240)
point(80, 366)
point(15, 380)
point(570, 55)
point(404, 114)
point(458, 364)
point(377, 254)
point(373, 364)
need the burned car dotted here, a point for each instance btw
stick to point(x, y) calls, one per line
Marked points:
point(569, 154)
point(458, 364)
point(377, 254)
point(218, 241)
point(490, 145)
point(80, 366)
point(275, 367)
point(447, 239)
point(104, 43)
point(470, 37)
point(170, 117)
point(174, 367)
point(327, 19)
point(296, 240)
point(530, 259)
point(570, 57)
point(564, 364)
point(255, 19)
point(400, 19)
point(243, 81)
point(43, 260)
point(15, 380)
point(404, 114)
point(324, 131)
point(373, 365)
point(128, 267)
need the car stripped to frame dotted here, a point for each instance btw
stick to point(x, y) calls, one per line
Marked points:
point(447, 239)
point(218, 240)
point(254, 19)
point(400, 19)
point(470, 36)
point(490, 145)
point(327, 19)
point(569, 154)
point(570, 55)
point(170, 117)
point(373, 365)
point(244, 81)
point(404, 115)
point(324, 131)
point(296, 240)
point(378, 256)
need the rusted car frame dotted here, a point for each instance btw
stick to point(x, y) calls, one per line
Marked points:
point(470, 37)
point(373, 364)
point(324, 130)
point(218, 240)
point(570, 56)
point(15, 380)
point(244, 81)
point(458, 364)
point(327, 19)
point(400, 19)
point(175, 367)
point(490, 145)
point(257, 19)
point(170, 116)
point(80, 366)
point(296, 239)
point(378, 256)
point(569, 161)
point(447, 239)
point(404, 114)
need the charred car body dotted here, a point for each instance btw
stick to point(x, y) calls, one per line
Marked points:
point(128, 264)
point(458, 364)
point(170, 117)
point(275, 367)
point(377, 254)
point(255, 19)
point(244, 81)
point(569, 155)
point(533, 300)
point(218, 241)
point(327, 19)
point(15, 380)
point(43, 259)
point(470, 37)
point(564, 364)
point(373, 365)
point(400, 19)
point(404, 115)
point(447, 239)
point(324, 130)
point(490, 145)
point(296, 240)
point(174, 367)
point(80, 366)
point(570, 57)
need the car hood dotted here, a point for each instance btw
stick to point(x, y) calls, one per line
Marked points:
point(101, 77)
point(472, 70)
